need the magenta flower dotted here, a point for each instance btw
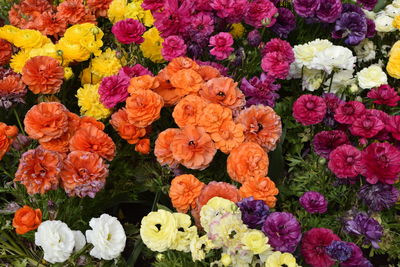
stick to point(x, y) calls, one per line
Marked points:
point(134, 71)
point(348, 112)
point(173, 17)
point(384, 95)
point(329, 10)
point(232, 10)
point(113, 90)
point(128, 31)
point(306, 8)
point(326, 141)
point(367, 4)
point(393, 126)
point(345, 161)
point(260, 90)
point(367, 126)
point(222, 43)
point(314, 202)
point(261, 13)
point(277, 57)
point(309, 109)
point(173, 46)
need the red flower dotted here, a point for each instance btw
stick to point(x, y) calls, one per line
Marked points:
point(367, 126)
point(384, 95)
point(348, 112)
point(313, 247)
point(345, 161)
point(393, 126)
point(309, 109)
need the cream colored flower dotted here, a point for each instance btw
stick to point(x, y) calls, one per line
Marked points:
point(371, 77)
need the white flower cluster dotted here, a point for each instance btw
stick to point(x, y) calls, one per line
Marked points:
point(384, 19)
point(58, 241)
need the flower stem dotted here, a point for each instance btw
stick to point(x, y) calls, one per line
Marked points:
point(19, 122)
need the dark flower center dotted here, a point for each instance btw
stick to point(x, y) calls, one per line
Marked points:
point(221, 94)
point(348, 109)
point(260, 127)
point(158, 226)
point(191, 143)
point(310, 105)
point(350, 159)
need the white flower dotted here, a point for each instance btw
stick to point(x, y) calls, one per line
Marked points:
point(185, 232)
point(365, 51)
point(340, 80)
point(56, 240)
point(392, 11)
point(199, 246)
point(312, 79)
point(383, 23)
point(334, 57)
point(294, 71)
point(305, 53)
point(80, 240)
point(396, 3)
point(108, 237)
point(369, 14)
point(371, 77)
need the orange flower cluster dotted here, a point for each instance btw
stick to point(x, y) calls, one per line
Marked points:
point(7, 136)
point(260, 188)
point(26, 219)
point(48, 19)
point(5, 52)
point(184, 191)
point(11, 86)
point(73, 151)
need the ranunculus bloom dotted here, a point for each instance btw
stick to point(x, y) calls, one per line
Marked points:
point(184, 191)
point(222, 45)
point(186, 81)
point(229, 136)
point(26, 219)
point(128, 31)
point(181, 63)
point(127, 131)
point(246, 161)
point(46, 121)
point(393, 126)
point(262, 126)
point(367, 4)
point(5, 52)
point(384, 95)
point(313, 247)
point(74, 12)
point(345, 161)
point(329, 10)
point(283, 231)
point(83, 174)
point(261, 13)
point(92, 139)
point(43, 75)
point(314, 202)
point(12, 89)
point(39, 170)
point(254, 212)
point(379, 197)
point(173, 46)
point(367, 126)
point(380, 162)
point(326, 141)
point(143, 146)
point(7, 136)
point(188, 110)
point(277, 57)
point(99, 7)
point(339, 250)
point(348, 112)
point(285, 23)
point(254, 38)
point(162, 148)
point(261, 90)
point(261, 188)
point(352, 26)
point(193, 148)
point(170, 94)
point(213, 116)
point(306, 8)
point(208, 72)
point(223, 91)
point(357, 258)
point(232, 10)
point(143, 82)
point(113, 90)
point(309, 109)
point(143, 107)
point(362, 224)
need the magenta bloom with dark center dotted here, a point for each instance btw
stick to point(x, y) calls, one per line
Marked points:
point(173, 17)
point(314, 202)
point(231, 10)
point(134, 71)
point(348, 112)
point(309, 109)
point(222, 45)
point(277, 57)
point(345, 161)
point(326, 141)
point(113, 90)
point(367, 126)
point(173, 47)
point(261, 13)
point(128, 31)
point(260, 90)
point(384, 95)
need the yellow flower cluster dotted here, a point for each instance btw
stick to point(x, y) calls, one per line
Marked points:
point(237, 30)
point(89, 102)
point(121, 9)
point(278, 259)
point(106, 64)
point(396, 22)
point(152, 45)
point(393, 66)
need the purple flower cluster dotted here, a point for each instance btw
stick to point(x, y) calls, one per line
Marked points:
point(314, 202)
point(261, 90)
point(363, 225)
point(254, 212)
point(379, 196)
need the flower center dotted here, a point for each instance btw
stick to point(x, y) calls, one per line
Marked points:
point(310, 105)
point(349, 160)
point(348, 110)
point(367, 124)
point(192, 143)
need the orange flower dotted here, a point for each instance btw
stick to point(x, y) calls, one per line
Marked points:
point(26, 219)
point(262, 126)
point(208, 72)
point(74, 12)
point(162, 149)
point(24, 14)
point(83, 174)
point(181, 63)
point(100, 6)
point(228, 136)
point(90, 138)
point(187, 81)
point(143, 146)
point(7, 136)
point(193, 148)
point(48, 23)
point(246, 161)
point(143, 107)
point(184, 191)
point(127, 131)
point(170, 94)
point(261, 188)
point(43, 75)
point(223, 91)
point(12, 85)
point(213, 116)
point(85, 120)
point(144, 82)
point(46, 121)
point(39, 170)
point(188, 110)
point(5, 52)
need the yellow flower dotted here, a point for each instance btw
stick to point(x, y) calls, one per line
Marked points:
point(116, 11)
point(227, 230)
point(89, 102)
point(106, 64)
point(255, 241)
point(278, 259)
point(9, 32)
point(48, 50)
point(152, 45)
point(71, 51)
point(185, 233)
point(226, 259)
point(393, 66)
point(199, 246)
point(30, 39)
point(237, 30)
point(216, 205)
point(68, 73)
point(148, 19)
point(18, 60)
point(396, 22)
point(87, 77)
point(158, 230)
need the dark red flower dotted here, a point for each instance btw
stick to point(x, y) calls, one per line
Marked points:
point(348, 112)
point(384, 95)
point(309, 109)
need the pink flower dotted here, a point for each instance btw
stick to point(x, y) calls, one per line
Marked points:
point(134, 71)
point(345, 161)
point(313, 247)
point(281, 46)
point(348, 112)
point(393, 126)
point(381, 162)
point(232, 10)
point(367, 126)
point(113, 90)
point(128, 31)
point(309, 109)
point(384, 95)
point(173, 46)
point(222, 43)
point(261, 12)
point(277, 57)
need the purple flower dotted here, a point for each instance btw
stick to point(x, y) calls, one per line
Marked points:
point(254, 212)
point(379, 196)
point(194, 50)
point(326, 141)
point(283, 231)
point(285, 23)
point(371, 30)
point(134, 71)
point(356, 259)
point(306, 8)
point(314, 202)
point(173, 47)
point(329, 10)
point(114, 90)
point(353, 8)
point(254, 38)
point(339, 250)
point(363, 225)
point(201, 27)
point(367, 4)
point(351, 26)
point(128, 31)
point(260, 90)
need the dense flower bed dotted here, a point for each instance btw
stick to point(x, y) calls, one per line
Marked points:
point(199, 133)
